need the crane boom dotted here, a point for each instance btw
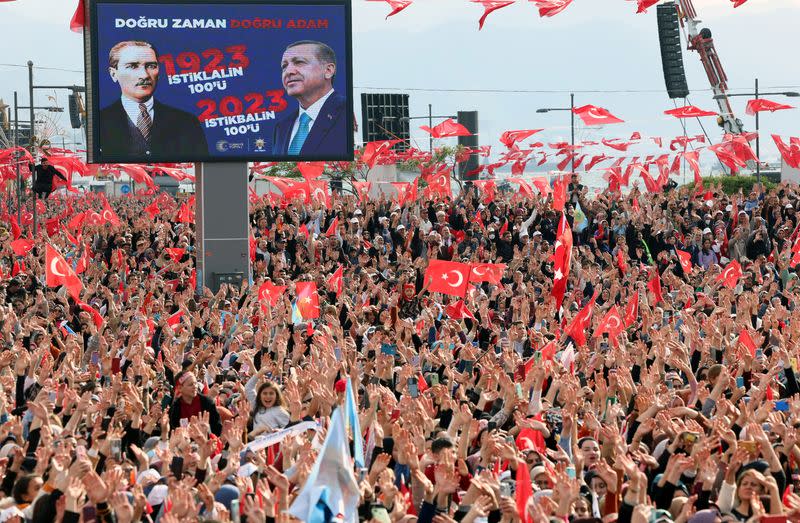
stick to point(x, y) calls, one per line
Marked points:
point(700, 40)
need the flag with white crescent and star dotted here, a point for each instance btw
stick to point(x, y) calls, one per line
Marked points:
point(561, 260)
point(58, 272)
point(450, 278)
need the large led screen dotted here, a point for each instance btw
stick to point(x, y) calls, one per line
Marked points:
point(194, 81)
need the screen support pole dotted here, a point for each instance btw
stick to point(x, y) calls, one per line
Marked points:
point(222, 224)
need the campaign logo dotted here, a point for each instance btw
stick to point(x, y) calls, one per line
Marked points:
point(225, 146)
point(260, 145)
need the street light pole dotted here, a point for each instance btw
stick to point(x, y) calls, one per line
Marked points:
point(16, 144)
point(430, 124)
point(572, 129)
point(758, 145)
point(571, 110)
point(32, 144)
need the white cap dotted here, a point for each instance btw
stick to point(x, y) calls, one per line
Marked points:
point(400, 227)
point(707, 231)
point(146, 477)
point(246, 470)
point(158, 495)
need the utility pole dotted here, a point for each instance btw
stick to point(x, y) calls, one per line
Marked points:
point(33, 142)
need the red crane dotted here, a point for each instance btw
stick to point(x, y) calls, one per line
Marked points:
point(700, 40)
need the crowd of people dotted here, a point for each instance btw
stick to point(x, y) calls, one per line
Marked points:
point(149, 400)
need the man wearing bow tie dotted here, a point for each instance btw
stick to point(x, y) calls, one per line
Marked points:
point(318, 127)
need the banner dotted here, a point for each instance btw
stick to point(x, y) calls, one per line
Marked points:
point(189, 81)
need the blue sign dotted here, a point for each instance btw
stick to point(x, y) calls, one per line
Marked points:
point(196, 80)
point(125, 189)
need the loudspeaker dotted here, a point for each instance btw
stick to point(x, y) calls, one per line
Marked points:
point(384, 116)
point(468, 119)
point(75, 106)
point(669, 36)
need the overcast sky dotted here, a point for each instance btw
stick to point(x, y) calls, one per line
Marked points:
point(600, 49)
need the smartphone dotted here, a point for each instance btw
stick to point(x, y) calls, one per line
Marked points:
point(95, 358)
point(115, 365)
point(235, 516)
point(465, 366)
point(80, 452)
point(389, 349)
point(689, 437)
point(759, 353)
point(337, 352)
point(166, 400)
point(116, 449)
point(782, 406)
point(434, 379)
point(506, 489)
point(176, 467)
point(749, 446)
point(571, 472)
point(413, 387)
point(740, 382)
point(518, 388)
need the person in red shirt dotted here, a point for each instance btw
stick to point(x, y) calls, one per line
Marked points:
point(189, 403)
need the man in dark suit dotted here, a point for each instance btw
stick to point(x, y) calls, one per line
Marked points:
point(43, 181)
point(318, 127)
point(138, 125)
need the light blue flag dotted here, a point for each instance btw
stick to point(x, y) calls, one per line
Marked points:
point(351, 418)
point(296, 317)
point(580, 221)
point(331, 490)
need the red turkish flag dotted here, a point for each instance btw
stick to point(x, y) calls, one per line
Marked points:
point(108, 214)
point(610, 324)
point(616, 145)
point(490, 6)
point(374, 150)
point(310, 170)
point(332, 229)
point(318, 193)
point(78, 21)
point(362, 190)
point(655, 286)
point(488, 188)
point(97, 318)
point(632, 310)
point(560, 193)
point(175, 253)
point(593, 115)
point(689, 111)
point(185, 214)
point(152, 210)
point(562, 259)
point(548, 8)
point(524, 188)
point(175, 319)
point(268, 292)
point(307, 299)
point(644, 4)
point(491, 272)
point(577, 327)
point(761, 104)
point(22, 247)
point(336, 281)
point(58, 272)
point(458, 311)
point(621, 263)
point(446, 129)
point(595, 160)
point(686, 260)
point(447, 277)
point(747, 340)
point(396, 5)
point(509, 138)
point(524, 493)
point(85, 259)
point(291, 188)
point(730, 276)
point(790, 153)
point(737, 3)
point(16, 232)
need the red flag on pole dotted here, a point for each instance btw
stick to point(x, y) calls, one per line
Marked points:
point(447, 277)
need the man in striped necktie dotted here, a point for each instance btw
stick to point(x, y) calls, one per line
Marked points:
point(137, 126)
